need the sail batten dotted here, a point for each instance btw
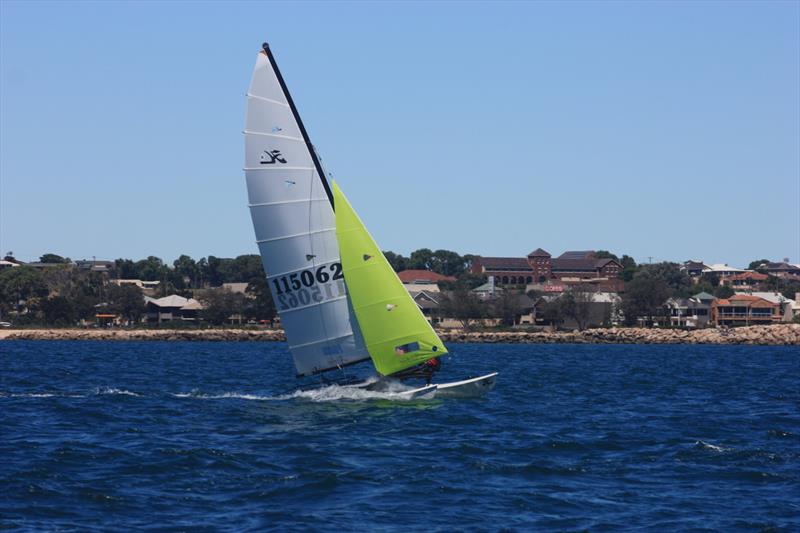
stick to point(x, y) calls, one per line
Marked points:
point(295, 228)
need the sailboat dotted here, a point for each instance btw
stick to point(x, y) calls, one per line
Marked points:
point(339, 300)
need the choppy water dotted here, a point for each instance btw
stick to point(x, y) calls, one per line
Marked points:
point(210, 436)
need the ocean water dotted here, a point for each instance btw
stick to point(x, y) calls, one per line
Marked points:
point(98, 436)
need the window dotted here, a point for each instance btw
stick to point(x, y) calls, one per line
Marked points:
point(406, 348)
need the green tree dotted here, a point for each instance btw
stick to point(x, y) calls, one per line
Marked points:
point(507, 307)
point(723, 291)
point(53, 258)
point(397, 261)
point(447, 263)
point(127, 300)
point(576, 304)
point(260, 305)
point(57, 311)
point(463, 305)
point(420, 259)
point(220, 304)
point(756, 265)
point(20, 284)
point(644, 295)
point(152, 269)
point(126, 269)
point(603, 254)
point(629, 268)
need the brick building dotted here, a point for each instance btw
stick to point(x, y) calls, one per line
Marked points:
point(540, 267)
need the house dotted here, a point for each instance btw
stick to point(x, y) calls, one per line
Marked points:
point(722, 271)
point(783, 269)
point(149, 288)
point(422, 280)
point(744, 310)
point(95, 265)
point(540, 267)
point(488, 291)
point(788, 308)
point(693, 312)
point(7, 264)
point(172, 307)
point(745, 280)
point(602, 308)
point(236, 288)
point(694, 268)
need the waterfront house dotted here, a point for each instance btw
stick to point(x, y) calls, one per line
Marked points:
point(744, 310)
point(693, 312)
point(172, 307)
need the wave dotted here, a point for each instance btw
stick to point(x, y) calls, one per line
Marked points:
point(701, 445)
point(114, 391)
point(328, 393)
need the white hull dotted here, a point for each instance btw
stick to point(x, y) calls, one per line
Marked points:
point(468, 388)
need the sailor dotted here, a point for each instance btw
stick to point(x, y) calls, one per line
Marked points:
point(430, 367)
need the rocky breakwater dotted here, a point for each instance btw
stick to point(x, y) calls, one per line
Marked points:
point(145, 334)
point(778, 334)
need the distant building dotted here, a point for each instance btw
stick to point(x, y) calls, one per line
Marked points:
point(744, 310)
point(745, 280)
point(788, 308)
point(149, 288)
point(694, 268)
point(694, 312)
point(236, 288)
point(95, 265)
point(488, 291)
point(722, 271)
point(783, 270)
point(7, 264)
point(422, 280)
point(172, 307)
point(540, 267)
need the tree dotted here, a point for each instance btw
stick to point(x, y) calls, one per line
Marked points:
point(629, 268)
point(576, 304)
point(507, 307)
point(126, 269)
point(446, 262)
point(185, 270)
point(127, 301)
point(53, 258)
point(756, 265)
point(420, 259)
point(723, 291)
point(260, 306)
point(20, 283)
point(220, 304)
point(644, 295)
point(152, 269)
point(57, 310)
point(603, 254)
point(397, 261)
point(463, 305)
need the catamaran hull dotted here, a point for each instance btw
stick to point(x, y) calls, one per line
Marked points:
point(468, 388)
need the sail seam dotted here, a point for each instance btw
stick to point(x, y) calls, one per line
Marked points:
point(276, 135)
point(303, 345)
point(270, 100)
point(261, 241)
point(303, 200)
point(277, 168)
point(309, 306)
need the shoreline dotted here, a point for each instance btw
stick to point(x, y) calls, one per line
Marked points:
point(772, 335)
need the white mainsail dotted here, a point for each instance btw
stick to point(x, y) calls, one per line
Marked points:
point(291, 207)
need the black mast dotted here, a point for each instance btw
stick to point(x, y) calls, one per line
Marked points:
point(310, 146)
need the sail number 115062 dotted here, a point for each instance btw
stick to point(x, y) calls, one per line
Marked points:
point(307, 278)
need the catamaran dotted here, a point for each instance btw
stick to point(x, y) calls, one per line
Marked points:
point(339, 300)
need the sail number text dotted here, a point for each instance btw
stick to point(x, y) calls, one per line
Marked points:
point(307, 286)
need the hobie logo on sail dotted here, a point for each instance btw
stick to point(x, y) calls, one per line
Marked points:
point(269, 157)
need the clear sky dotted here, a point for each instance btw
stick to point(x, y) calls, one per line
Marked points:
point(656, 129)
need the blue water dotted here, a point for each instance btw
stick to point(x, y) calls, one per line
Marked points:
point(209, 436)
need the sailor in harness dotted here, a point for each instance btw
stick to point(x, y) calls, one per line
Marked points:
point(424, 370)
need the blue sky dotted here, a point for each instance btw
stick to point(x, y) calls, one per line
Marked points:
point(663, 130)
